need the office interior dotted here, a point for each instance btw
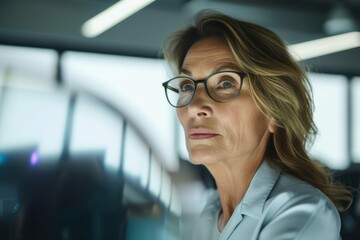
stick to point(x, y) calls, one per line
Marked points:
point(89, 146)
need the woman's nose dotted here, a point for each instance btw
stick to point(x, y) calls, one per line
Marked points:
point(200, 105)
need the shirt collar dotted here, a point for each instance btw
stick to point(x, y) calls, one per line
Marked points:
point(259, 189)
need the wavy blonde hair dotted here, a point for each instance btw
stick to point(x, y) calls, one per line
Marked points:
point(280, 88)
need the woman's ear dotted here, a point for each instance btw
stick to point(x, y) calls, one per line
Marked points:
point(272, 125)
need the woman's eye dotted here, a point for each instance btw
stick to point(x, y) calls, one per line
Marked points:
point(186, 87)
point(226, 84)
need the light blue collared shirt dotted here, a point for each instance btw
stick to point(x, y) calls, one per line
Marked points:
point(276, 206)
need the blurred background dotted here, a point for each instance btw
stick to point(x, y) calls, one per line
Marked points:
point(90, 149)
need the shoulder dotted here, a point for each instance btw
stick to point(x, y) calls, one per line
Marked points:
point(295, 204)
point(291, 189)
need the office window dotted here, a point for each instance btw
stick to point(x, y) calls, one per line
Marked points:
point(33, 118)
point(132, 85)
point(165, 193)
point(136, 157)
point(155, 177)
point(330, 97)
point(27, 66)
point(355, 128)
point(96, 129)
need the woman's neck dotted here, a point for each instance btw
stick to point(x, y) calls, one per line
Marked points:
point(232, 184)
point(233, 176)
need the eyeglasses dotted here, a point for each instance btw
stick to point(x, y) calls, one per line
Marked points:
point(220, 86)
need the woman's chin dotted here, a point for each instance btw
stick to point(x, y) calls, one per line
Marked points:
point(201, 157)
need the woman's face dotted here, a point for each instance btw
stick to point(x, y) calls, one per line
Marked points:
point(220, 131)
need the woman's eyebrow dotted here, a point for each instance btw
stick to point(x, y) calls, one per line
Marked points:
point(185, 71)
point(230, 66)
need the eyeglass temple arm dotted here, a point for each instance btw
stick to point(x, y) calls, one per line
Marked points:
point(172, 89)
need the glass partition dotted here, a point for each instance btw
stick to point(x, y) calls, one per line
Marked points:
point(331, 118)
point(134, 86)
point(95, 128)
point(355, 128)
point(103, 180)
point(33, 118)
point(28, 66)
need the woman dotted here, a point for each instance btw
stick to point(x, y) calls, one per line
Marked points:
point(245, 106)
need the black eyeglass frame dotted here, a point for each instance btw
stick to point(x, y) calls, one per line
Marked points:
point(196, 82)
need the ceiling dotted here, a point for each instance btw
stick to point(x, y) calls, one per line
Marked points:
point(56, 24)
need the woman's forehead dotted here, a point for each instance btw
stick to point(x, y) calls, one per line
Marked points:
point(209, 53)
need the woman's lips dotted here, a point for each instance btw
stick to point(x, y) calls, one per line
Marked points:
point(201, 133)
